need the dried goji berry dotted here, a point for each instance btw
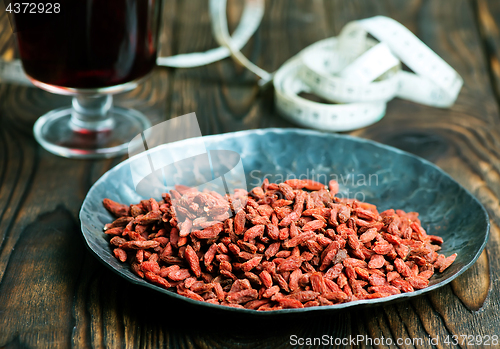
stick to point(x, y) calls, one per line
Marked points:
point(315, 246)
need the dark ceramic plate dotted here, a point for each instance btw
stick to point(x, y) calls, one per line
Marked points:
point(379, 174)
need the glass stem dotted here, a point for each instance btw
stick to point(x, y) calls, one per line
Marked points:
point(91, 113)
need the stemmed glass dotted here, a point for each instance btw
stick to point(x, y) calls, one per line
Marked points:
point(90, 50)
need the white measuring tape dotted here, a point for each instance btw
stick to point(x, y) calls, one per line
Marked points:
point(352, 70)
point(357, 73)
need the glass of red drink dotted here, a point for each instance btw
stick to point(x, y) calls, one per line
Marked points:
point(94, 49)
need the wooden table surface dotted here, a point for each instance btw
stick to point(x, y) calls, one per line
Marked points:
point(54, 293)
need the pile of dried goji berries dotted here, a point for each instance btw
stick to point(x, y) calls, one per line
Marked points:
point(285, 247)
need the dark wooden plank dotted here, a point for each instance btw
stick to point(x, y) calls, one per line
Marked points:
point(488, 16)
point(96, 307)
point(17, 167)
point(226, 98)
point(478, 275)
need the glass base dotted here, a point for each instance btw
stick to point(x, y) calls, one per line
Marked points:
point(57, 132)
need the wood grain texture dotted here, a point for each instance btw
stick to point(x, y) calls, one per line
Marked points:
point(488, 14)
point(7, 47)
point(80, 303)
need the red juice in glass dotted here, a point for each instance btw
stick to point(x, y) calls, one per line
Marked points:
point(88, 49)
point(92, 43)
